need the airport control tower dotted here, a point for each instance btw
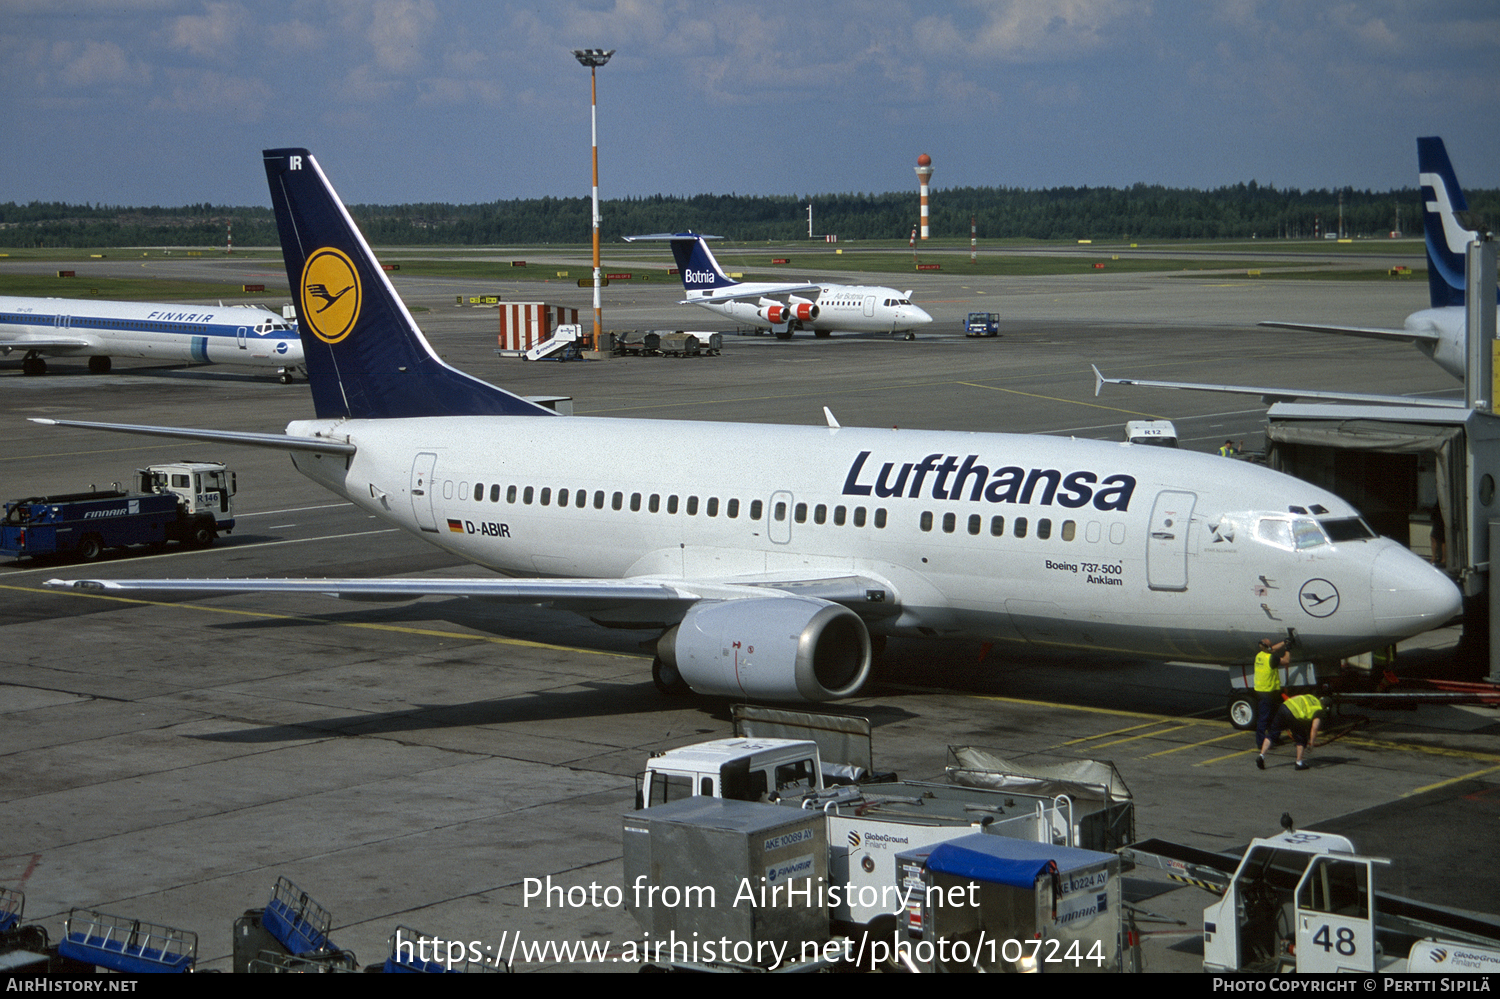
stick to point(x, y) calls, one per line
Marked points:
point(924, 178)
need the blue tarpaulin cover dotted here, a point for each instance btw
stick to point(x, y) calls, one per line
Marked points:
point(1005, 861)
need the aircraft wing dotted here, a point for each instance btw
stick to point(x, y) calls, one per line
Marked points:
point(1373, 332)
point(1274, 395)
point(749, 291)
point(279, 442)
point(50, 344)
point(866, 596)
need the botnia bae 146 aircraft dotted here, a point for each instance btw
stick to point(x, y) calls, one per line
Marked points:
point(767, 575)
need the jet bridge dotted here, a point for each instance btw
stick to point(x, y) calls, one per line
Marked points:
point(1411, 471)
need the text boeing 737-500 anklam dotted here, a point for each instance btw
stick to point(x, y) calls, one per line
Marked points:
point(194, 334)
point(769, 555)
point(845, 308)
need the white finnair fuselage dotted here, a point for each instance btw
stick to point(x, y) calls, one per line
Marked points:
point(842, 308)
point(1053, 541)
point(198, 334)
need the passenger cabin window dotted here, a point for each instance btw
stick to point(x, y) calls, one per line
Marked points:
point(1019, 528)
point(671, 504)
point(692, 506)
point(997, 527)
point(756, 508)
point(655, 505)
point(713, 506)
point(546, 497)
point(880, 516)
point(859, 516)
point(732, 509)
point(562, 497)
point(1044, 529)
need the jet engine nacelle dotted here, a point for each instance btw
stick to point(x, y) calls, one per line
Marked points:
point(774, 313)
point(803, 310)
point(776, 648)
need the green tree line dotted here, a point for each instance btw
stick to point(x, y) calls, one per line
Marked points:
point(1063, 213)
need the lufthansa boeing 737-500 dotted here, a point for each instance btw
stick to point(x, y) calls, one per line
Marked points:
point(767, 575)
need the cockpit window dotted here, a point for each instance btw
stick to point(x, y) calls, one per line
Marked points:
point(1307, 534)
point(1300, 533)
point(1274, 532)
point(1347, 529)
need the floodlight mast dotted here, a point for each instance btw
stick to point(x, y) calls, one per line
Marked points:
point(593, 59)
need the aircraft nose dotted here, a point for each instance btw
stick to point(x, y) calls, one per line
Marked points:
point(919, 315)
point(1409, 596)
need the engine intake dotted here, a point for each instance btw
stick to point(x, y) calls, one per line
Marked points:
point(776, 648)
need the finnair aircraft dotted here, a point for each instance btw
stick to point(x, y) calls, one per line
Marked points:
point(848, 308)
point(1439, 331)
point(197, 334)
point(769, 575)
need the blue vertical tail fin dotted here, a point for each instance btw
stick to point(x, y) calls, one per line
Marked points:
point(1447, 238)
point(365, 356)
point(696, 265)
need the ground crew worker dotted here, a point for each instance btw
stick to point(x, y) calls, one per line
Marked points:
point(1268, 685)
point(1304, 716)
point(1228, 450)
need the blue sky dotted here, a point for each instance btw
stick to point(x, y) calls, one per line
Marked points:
point(140, 102)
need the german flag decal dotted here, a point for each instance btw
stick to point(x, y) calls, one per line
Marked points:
point(456, 526)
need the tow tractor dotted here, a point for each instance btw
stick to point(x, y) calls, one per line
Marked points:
point(1306, 901)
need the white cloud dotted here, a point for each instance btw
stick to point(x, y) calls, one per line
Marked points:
point(213, 34)
point(398, 29)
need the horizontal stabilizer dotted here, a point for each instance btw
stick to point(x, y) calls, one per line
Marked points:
point(279, 442)
point(1274, 395)
point(1372, 332)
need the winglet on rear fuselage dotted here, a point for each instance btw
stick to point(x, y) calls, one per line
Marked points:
point(365, 357)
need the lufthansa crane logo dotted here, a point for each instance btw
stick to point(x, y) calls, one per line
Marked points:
point(1319, 597)
point(331, 295)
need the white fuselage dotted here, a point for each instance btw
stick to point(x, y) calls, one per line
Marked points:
point(199, 334)
point(842, 308)
point(1054, 541)
point(1449, 324)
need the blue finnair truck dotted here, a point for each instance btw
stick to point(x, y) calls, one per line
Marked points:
point(191, 502)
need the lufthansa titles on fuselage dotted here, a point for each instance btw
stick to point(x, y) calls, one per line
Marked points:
point(957, 479)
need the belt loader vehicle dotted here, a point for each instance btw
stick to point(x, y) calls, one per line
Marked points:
point(1305, 901)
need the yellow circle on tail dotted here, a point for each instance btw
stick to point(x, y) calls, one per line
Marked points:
point(331, 295)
